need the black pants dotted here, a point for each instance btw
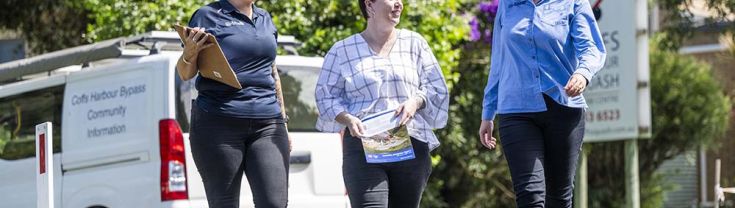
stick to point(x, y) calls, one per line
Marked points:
point(542, 150)
point(224, 148)
point(380, 185)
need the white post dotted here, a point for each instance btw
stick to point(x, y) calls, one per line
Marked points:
point(44, 166)
point(632, 180)
point(632, 185)
point(580, 195)
point(719, 191)
point(702, 175)
point(717, 184)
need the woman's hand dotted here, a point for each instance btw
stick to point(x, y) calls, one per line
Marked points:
point(486, 134)
point(408, 109)
point(576, 85)
point(290, 143)
point(353, 123)
point(194, 42)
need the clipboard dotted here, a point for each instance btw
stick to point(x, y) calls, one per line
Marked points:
point(212, 62)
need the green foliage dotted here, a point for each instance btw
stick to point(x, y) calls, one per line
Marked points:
point(116, 18)
point(45, 25)
point(470, 174)
point(319, 24)
point(689, 110)
point(4, 138)
point(19, 149)
point(678, 21)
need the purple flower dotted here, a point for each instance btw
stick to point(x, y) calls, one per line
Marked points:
point(475, 33)
point(491, 8)
point(488, 36)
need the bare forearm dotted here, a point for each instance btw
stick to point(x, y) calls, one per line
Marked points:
point(279, 90)
point(186, 70)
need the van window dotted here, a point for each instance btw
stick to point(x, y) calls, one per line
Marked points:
point(185, 92)
point(20, 115)
point(298, 85)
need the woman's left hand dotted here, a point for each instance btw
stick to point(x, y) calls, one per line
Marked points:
point(407, 109)
point(576, 85)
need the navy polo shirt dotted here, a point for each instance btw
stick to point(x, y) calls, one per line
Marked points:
point(250, 47)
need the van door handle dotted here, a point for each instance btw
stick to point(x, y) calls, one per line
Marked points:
point(300, 157)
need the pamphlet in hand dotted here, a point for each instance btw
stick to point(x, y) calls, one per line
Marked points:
point(385, 140)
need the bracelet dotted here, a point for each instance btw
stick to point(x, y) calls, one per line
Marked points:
point(184, 59)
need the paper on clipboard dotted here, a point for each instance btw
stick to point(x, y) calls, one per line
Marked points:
point(212, 62)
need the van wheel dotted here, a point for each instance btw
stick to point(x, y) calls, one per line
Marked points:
point(97, 206)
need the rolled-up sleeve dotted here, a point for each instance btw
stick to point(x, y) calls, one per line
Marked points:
point(588, 40)
point(330, 93)
point(432, 88)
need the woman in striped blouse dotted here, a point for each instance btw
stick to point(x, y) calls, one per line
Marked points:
point(380, 69)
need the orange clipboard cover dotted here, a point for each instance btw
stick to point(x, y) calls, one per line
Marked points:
point(212, 62)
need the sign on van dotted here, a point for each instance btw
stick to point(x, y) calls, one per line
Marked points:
point(107, 106)
point(105, 109)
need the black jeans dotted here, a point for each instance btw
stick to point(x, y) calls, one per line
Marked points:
point(542, 150)
point(225, 147)
point(380, 185)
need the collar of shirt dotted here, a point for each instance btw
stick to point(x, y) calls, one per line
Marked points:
point(228, 8)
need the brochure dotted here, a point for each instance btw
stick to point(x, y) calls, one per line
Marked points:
point(385, 141)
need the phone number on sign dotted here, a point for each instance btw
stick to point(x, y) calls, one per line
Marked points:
point(603, 115)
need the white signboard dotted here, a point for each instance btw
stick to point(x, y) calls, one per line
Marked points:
point(618, 96)
point(44, 166)
point(109, 107)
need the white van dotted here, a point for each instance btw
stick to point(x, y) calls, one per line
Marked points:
point(120, 136)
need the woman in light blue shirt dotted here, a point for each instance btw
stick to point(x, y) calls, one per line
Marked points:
point(544, 54)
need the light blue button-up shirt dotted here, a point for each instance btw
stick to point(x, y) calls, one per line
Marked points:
point(535, 51)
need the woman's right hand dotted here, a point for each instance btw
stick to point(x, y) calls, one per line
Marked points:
point(194, 42)
point(353, 123)
point(486, 134)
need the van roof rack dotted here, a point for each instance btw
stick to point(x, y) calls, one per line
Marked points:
point(154, 41)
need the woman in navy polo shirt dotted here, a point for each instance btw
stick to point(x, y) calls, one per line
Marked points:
point(238, 130)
